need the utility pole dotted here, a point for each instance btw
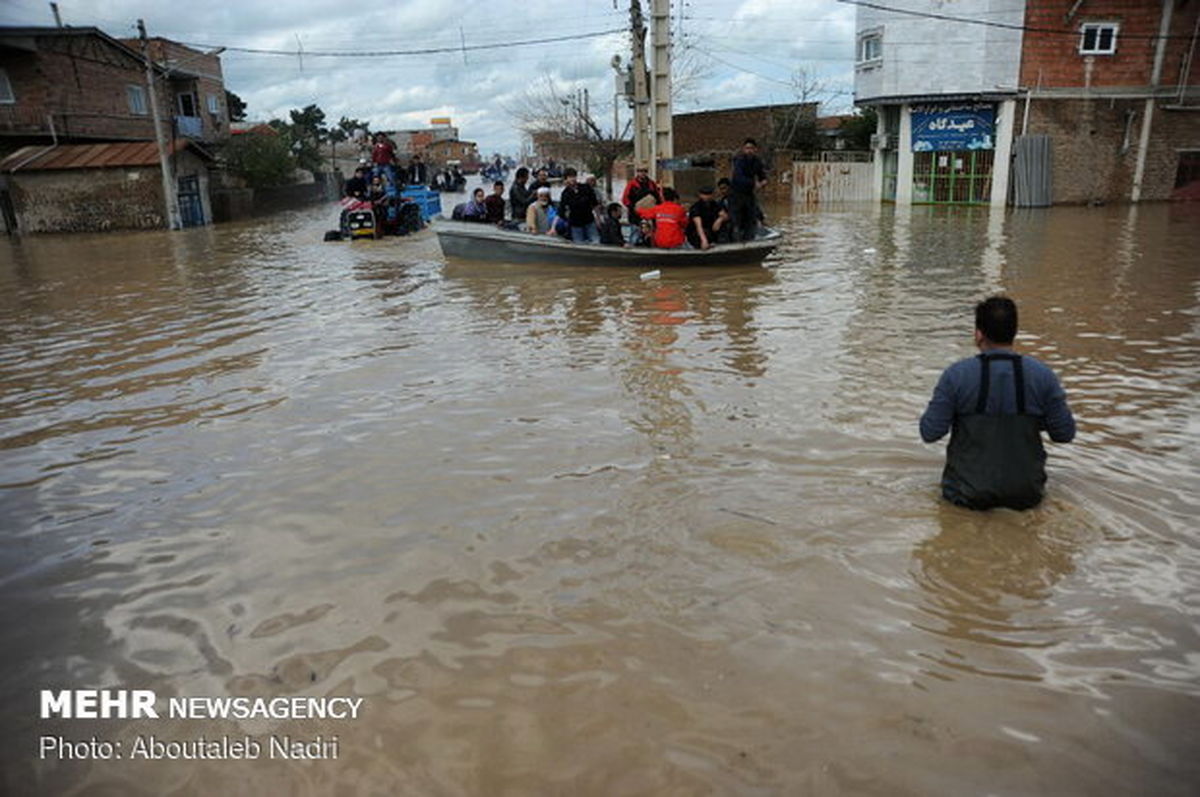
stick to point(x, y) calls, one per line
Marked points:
point(643, 143)
point(164, 160)
point(660, 87)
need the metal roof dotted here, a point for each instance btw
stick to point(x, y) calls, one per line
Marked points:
point(39, 157)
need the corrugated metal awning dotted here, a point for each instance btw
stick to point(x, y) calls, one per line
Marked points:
point(930, 99)
point(39, 157)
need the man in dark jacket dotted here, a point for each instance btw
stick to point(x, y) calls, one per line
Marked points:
point(747, 177)
point(520, 196)
point(995, 406)
point(577, 204)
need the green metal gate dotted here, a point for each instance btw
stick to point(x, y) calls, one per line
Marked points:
point(961, 177)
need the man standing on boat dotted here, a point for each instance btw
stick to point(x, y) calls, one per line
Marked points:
point(748, 176)
point(640, 187)
point(995, 406)
point(577, 204)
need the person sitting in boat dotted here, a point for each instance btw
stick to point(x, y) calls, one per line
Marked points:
point(539, 218)
point(542, 181)
point(725, 233)
point(475, 210)
point(640, 187)
point(705, 220)
point(494, 204)
point(670, 221)
point(609, 226)
point(643, 233)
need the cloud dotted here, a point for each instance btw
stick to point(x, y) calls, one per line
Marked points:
point(757, 42)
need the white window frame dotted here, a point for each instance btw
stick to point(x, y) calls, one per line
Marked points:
point(1097, 30)
point(865, 39)
point(214, 105)
point(136, 96)
point(7, 97)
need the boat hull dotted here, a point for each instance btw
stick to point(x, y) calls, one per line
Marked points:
point(471, 241)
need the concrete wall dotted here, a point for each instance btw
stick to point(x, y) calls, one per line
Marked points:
point(924, 56)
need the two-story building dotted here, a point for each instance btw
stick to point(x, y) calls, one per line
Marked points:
point(1030, 101)
point(73, 99)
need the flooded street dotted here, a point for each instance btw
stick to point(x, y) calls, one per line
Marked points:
point(567, 531)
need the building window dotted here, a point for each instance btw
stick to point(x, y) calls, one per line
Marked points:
point(1098, 38)
point(6, 93)
point(214, 107)
point(870, 47)
point(137, 100)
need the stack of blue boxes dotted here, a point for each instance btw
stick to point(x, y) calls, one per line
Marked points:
point(429, 200)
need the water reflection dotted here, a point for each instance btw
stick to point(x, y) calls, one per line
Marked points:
point(989, 580)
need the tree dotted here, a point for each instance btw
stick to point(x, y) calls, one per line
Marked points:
point(236, 106)
point(858, 129)
point(796, 125)
point(546, 110)
point(261, 159)
point(308, 131)
point(304, 135)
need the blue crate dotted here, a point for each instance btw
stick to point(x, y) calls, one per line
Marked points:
point(429, 200)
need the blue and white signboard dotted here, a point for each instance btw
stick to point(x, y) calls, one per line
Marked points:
point(946, 128)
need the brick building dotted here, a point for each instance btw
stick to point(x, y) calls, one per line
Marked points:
point(1059, 100)
point(70, 86)
point(710, 132)
point(195, 88)
point(446, 150)
point(1119, 101)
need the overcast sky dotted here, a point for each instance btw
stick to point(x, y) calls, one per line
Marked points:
point(750, 51)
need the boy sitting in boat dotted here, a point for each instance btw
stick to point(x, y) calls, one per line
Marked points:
point(670, 221)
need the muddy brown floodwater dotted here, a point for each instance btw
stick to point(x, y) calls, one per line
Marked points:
point(567, 531)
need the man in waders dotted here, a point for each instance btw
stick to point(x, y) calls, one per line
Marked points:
point(995, 406)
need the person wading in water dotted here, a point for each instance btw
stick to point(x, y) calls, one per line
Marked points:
point(995, 406)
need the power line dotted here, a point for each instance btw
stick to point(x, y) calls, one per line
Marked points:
point(424, 51)
point(991, 24)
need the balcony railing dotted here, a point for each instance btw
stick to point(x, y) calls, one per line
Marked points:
point(189, 126)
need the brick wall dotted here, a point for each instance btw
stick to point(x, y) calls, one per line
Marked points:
point(81, 81)
point(208, 82)
point(724, 131)
point(1052, 60)
point(1095, 146)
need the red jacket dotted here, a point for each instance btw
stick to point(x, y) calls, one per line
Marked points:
point(635, 191)
point(670, 222)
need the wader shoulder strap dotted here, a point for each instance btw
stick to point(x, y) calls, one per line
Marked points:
point(985, 381)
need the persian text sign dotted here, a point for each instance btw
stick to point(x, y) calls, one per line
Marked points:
point(945, 128)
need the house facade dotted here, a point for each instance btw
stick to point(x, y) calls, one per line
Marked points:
point(64, 87)
point(1030, 101)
